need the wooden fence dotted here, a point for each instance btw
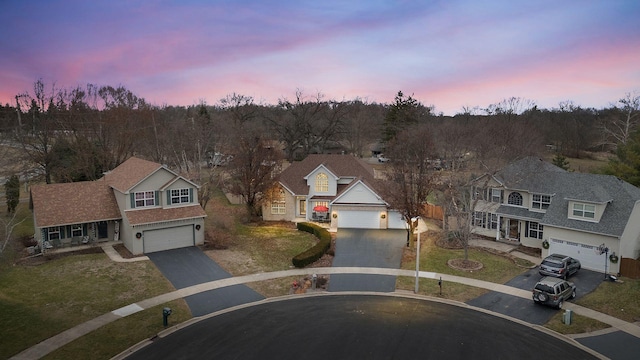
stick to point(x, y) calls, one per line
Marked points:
point(433, 212)
point(630, 268)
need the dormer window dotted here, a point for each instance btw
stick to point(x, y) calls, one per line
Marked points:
point(180, 196)
point(322, 182)
point(584, 211)
point(540, 201)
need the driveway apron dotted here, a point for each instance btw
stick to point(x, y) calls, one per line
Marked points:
point(190, 266)
point(367, 248)
point(525, 309)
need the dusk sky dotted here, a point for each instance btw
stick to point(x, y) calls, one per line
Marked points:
point(448, 54)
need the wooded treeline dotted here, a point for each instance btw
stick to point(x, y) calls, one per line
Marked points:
point(78, 133)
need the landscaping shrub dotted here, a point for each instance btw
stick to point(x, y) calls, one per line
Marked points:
point(314, 253)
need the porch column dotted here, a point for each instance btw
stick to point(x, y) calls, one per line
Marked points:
point(498, 228)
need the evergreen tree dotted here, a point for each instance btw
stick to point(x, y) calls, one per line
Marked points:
point(12, 191)
point(626, 164)
point(560, 161)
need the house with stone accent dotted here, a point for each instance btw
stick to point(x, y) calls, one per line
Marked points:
point(339, 190)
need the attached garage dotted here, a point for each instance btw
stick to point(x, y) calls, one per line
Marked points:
point(359, 219)
point(168, 238)
point(586, 254)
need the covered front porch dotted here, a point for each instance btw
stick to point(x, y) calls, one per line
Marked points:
point(65, 236)
point(510, 225)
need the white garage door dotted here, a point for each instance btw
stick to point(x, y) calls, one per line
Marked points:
point(170, 238)
point(360, 219)
point(396, 221)
point(587, 255)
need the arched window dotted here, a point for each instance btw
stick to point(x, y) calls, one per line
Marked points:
point(322, 182)
point(515, 199)
point(278, 204)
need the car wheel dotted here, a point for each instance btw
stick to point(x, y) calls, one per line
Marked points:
point(542, 297)
point(573, 294)
point(560, 304)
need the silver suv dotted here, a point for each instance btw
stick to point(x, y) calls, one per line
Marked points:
point(557, 265)
point(553, 292)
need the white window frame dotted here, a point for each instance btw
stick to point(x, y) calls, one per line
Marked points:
point(492, 221)
point(179, 196)
point(278, 205)
point(515, 198)
point(322, 182)
point(496, 195)
point(479, 219)
point(540, 202)
point(580, 210)
point(77, 230)
point(145, 198)
point(53, 230)
point(535, 230)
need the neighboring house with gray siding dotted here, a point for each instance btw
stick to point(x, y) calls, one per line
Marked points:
point(537, 204)
point(141, 203)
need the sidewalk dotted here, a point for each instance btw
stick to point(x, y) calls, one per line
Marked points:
point(505, 248)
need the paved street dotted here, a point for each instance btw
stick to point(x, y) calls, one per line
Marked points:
point(359, 327)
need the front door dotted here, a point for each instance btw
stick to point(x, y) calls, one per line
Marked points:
point(514, 229)
point(103, 231)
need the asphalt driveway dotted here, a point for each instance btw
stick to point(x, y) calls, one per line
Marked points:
point(367, 248)
point(190, 266)
point(525, 309)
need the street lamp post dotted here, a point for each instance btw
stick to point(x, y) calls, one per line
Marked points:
point(417, 219)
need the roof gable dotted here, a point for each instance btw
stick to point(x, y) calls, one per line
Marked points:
point(293, 177)
point(130, 173)
point(358, 193)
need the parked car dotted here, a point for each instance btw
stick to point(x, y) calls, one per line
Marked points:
point(552, 291)
point(558, 265)
point(382, 158)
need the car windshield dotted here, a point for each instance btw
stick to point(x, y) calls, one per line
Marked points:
point(544, 288)
point(551, 264)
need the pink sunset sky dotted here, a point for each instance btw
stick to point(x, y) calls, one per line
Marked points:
point(448, 54)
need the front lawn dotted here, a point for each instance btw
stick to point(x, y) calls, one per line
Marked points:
point(496, 269)
point(38, 301)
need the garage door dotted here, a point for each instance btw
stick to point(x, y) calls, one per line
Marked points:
point(396, 221)
point(587, 255)
point(169, 238)
point(359, 219)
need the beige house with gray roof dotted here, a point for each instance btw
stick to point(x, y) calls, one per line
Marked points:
point(141, 203)
point(537, 204)
point(339, 190)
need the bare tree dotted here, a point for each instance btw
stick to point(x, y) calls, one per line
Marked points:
point(410, 178)
point(624, 121)
point(255, 162)
point(362, 126)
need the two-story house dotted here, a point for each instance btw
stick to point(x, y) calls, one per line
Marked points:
point(337, 189)
point(538, 204)
point(141, 203)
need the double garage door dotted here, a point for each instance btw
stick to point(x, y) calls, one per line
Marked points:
point(169, 238)
point(368, 219)
point(586, 254)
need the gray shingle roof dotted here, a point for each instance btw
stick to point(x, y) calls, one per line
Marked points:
point(537, 176)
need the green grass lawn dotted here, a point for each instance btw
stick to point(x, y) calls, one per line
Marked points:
point(39, 301)
point(497, 269)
